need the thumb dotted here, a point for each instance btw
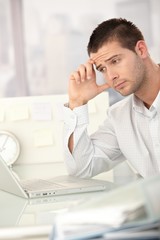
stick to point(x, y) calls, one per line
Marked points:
point(103, 87)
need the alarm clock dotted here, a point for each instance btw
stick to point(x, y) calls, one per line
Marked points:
point(9, 147)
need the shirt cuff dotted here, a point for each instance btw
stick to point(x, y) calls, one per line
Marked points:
point(78, 115)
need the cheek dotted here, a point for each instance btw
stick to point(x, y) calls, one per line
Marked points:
point(106, 80)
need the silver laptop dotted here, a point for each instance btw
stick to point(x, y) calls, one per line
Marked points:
point(35, 188)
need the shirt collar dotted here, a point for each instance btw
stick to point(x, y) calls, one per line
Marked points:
point(139, 107)
point(156, 103)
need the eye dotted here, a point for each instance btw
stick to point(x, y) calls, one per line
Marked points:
point(115, 60)
point(102, 69)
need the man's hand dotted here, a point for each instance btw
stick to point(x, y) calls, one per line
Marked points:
point(83, 86)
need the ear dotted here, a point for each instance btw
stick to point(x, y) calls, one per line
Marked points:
point(141, 49)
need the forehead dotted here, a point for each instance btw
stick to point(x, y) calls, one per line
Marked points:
point(107, 51)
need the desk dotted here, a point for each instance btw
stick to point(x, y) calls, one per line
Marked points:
point(26, 219)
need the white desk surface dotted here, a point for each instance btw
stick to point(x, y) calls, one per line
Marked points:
point(27, 219)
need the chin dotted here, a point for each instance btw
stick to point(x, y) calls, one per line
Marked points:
point(125, 92)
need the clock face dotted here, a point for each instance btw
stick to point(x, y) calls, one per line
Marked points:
point(9, 147)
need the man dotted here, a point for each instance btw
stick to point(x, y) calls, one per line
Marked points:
point(132, 127)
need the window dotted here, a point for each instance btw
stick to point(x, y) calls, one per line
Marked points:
point(43, 41)
point(7, 61)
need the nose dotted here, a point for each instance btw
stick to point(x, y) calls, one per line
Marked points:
point(112, 75)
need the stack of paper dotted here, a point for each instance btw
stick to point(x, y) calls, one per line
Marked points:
point(130, 212)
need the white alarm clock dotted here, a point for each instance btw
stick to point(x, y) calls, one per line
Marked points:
point(9, 147)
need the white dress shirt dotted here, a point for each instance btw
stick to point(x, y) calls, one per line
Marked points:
point(130, 131)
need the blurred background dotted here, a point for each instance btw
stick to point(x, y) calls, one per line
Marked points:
point(42, 41)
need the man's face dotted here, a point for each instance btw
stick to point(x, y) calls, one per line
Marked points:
point(122, 68)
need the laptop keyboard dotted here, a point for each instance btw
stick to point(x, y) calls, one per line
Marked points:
point(39, 184)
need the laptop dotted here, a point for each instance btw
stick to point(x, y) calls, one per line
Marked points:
point(37, 188)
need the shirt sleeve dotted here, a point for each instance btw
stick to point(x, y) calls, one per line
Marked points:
point(91, 155)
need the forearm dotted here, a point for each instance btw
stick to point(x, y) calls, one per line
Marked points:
point(75, 126)
point(83, 157)
point(70, 143)
point(79, 152)
point(86, 159)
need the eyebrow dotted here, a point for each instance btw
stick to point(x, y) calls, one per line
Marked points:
point(116, 55)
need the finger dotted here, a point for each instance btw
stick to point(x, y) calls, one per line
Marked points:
point(90, 73)
point(90, 60)
point(82, 72)
point(75, 77)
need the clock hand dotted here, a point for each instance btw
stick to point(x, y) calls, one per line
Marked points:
point(2, 147)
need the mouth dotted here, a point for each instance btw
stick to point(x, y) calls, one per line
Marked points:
point(120, 85)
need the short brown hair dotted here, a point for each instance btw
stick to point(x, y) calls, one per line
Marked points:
point(115, 29)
